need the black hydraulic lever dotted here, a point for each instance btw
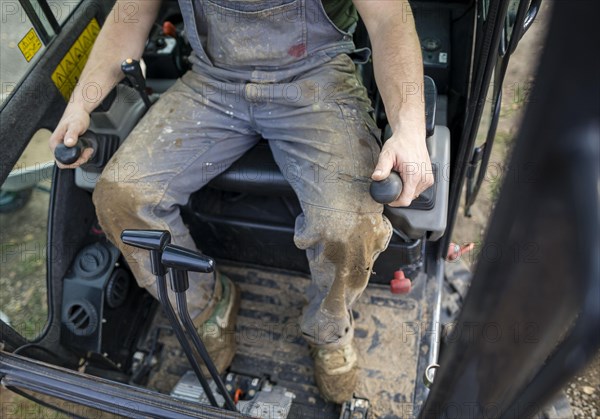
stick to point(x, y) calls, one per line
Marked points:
point(133, 72)
point(69, 155)
point(180, 260)
point(155, 241)
point(184, 259)
point(387, 190)
point(104, 146)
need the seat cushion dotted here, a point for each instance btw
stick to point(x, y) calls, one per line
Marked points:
point(256, 172)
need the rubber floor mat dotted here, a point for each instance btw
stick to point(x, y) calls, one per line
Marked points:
point(270, 343)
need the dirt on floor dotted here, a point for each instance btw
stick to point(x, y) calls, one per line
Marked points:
point(583, 392)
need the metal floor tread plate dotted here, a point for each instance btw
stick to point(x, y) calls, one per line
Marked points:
point(270, 343)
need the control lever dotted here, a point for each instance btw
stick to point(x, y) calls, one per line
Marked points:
point(180, 260)
point(155, 241)
point(169, 29)
point(104, 146)
point(133, 72)
point(69, 155)
point(387, 190)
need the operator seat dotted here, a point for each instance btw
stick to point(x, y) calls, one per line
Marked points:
point(257, 173)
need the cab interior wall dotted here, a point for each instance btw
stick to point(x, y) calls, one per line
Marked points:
point(72, 213)
point(72, 218)
point(69, 223)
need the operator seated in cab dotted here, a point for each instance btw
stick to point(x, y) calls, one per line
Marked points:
point(279, 70)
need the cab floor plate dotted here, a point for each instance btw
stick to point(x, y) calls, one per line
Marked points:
point(270, 343)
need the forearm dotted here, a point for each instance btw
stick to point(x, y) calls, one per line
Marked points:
point(123, 36)
point(399, 76)
point(398, 69)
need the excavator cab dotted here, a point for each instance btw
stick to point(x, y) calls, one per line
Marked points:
point(107, 345)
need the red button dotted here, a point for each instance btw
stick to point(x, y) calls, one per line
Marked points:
point(169, 29)
point(400, 284)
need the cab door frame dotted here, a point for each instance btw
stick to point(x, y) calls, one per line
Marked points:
point(36, 103)
point(491, 55)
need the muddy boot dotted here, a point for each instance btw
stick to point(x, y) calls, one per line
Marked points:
point(218, 330)
point(336, 371)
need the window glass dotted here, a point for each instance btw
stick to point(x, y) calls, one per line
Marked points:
point(20, 45)
point(484, 7)
point(37, 9)
point(511, 15)
point(24, 201)
point(62, 9)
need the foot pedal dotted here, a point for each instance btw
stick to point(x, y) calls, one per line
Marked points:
point(255, 397)
point(355, 409)
point(188, 388)
point(271, 401)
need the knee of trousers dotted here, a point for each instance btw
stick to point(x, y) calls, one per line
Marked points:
point(344, 237)
point(119, 205)
point(341, 248)
point(126, 205)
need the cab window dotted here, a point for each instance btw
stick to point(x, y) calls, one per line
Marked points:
point(24, 201)
point(26, 28)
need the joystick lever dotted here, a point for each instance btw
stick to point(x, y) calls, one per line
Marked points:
point(69, 155)
point(133, 72)
point(387, 190)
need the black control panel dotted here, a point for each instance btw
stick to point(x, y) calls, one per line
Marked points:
point(433, 27)
point(166, 53)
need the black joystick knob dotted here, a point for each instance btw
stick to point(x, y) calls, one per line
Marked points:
point(387, 190)
point(178, 257)
point(69, 155)
point(146, 239)
point(152, 240)
point(133, 72)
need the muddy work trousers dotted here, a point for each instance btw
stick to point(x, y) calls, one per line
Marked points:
point(324, 141)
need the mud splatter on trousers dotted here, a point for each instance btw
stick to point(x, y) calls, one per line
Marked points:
point(323, 139)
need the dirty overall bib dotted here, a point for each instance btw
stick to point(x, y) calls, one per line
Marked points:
point(277, 70)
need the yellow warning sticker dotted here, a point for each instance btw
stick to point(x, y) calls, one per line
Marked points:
point(66, 76)
point(30, 45)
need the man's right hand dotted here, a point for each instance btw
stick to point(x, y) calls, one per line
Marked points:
point(103, 68)
point(75, 121)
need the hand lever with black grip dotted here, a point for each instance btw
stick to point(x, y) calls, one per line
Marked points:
point(387, 190)
point(180, 260)
point(152, 240)
point(155, 241)
point(69, 155)
point(133, 72)
point(184, 259)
